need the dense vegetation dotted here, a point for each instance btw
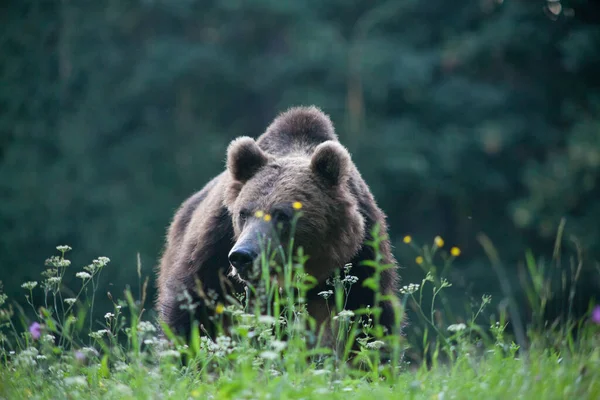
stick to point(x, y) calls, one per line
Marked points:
point(273, 350)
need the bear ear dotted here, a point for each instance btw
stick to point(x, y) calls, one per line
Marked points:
point(245, 158)
point(331, 161)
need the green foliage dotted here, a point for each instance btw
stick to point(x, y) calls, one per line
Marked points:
point(273, 353)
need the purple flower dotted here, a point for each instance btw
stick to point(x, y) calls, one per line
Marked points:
point(79, 356)
point(596, 315)
point(36, 330)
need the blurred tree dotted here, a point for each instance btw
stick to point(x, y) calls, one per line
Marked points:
point(463, 117)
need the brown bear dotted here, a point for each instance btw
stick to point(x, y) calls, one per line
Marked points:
point(214, 238)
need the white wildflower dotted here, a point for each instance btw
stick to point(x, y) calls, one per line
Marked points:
point(63, 248)
point(101, 261)
point(70, 301)
point(76, 381)
point(146, 327)
point(409, 289)
point(109, 315)
point(457, 327)
point(48, 338)
point(278, 345)
point(90, 351)
point(375, 345)
point(269, 355)
point(344, 314)
point(325, 294)
point(29, 285)
point(83, 275)
point(266, 319)
point(351, 279)
point(99, 334)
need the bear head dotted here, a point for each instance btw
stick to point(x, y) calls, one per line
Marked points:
point(265, 190)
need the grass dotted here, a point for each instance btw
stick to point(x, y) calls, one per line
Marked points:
point(64, 354)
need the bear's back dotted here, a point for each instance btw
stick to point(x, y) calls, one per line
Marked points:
point(297, 130)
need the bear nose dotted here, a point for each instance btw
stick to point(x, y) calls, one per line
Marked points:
point(242, 259)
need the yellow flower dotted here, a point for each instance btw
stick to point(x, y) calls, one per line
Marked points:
point(439, 242)
point(407, 239)
point(259, 214)
point(297, 205)
point(267, 217)
point(419, 260)
point(219, 308)
point(455, 251)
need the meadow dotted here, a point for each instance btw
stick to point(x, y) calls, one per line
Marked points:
point(55, 350)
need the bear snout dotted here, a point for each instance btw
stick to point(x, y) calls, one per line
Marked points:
point(242, 259)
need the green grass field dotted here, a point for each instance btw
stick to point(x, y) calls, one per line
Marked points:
point(61, 354)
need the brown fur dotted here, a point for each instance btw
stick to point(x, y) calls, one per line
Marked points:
point(298, 158)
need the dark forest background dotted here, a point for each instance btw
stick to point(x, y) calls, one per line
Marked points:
point(463, 116)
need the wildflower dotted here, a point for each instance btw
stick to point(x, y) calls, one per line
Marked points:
point(419, 260)
point(278, 345)
point(409, 289)
point(439, 242)
point(90, 351)
point(351, 279)
point(266, 319)
point(325, 293)
point(455, 251)
point(259, 214)
point(27, 357)
point(268, 355)
point(70, 301)
point(344, 314)
point(101, 261)
point(79, 355)
point(297, 205)
point(98, 334)
point(596, 315)
point(109, 315)
point(219, 308)
point(457, 327)
point(48, 338)
point(83, 275)
point(267, 217)
point(63, 248)
point(407, 239)
point(146, 327)
point(54, 280)
point(29, 285)
point(55, 261)
point(375, 345)
point(35, 330)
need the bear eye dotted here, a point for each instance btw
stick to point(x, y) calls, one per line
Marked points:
point(244, 215)
point(281, 215)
